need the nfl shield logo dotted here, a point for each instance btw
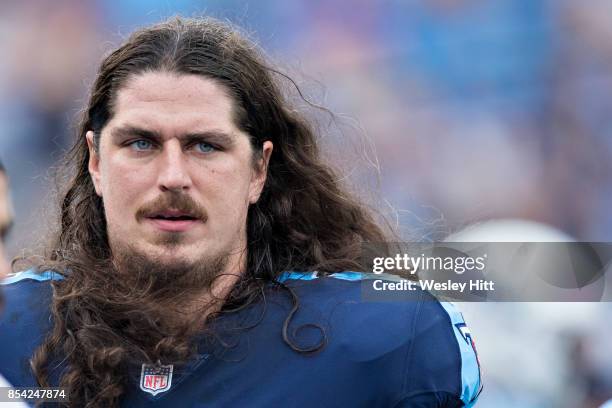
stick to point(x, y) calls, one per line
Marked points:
point(155, 378)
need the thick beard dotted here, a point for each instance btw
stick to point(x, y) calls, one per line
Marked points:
point(176, 280)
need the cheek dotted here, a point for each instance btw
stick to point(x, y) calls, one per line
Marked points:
point(228, 192)
point(121, 187)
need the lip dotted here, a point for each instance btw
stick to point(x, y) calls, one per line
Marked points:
point(173, 226)
point(170, 213)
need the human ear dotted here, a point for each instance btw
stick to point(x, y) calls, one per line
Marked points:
point(94, 162)
point(261, 172)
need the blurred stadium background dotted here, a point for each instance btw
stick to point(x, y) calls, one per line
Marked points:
point(477, 109)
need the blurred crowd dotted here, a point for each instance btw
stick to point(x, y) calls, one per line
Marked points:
point(476, 109)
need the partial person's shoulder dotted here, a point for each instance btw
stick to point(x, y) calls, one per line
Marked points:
point(426, 342)
point(23, 289)
point(346, 295)
point(26, 293)
point(24, 322)
point(27, 296)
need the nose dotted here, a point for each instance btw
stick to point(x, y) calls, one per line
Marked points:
point(174, 168)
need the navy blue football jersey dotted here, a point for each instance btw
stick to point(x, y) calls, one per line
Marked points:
point(415, 353)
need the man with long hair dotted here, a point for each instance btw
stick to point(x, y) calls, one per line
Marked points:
point(203, 250)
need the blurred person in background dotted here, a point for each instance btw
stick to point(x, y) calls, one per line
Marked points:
point(6, 220)
point(202, 252)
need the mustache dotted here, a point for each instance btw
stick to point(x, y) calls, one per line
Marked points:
point(173, 201)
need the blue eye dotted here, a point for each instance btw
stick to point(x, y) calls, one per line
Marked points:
point(204, 147)
point(141, 144)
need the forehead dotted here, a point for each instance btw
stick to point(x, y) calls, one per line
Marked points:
point(174, 103)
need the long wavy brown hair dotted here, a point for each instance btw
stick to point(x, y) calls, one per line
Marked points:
point(304, 220)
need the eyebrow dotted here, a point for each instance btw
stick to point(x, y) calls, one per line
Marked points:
point(213, 136)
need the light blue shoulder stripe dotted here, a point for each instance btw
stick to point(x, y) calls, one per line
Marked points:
point(285, 276)
point(348, 276)
point(32, 275)
point(307, 276)
point(471, 382)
